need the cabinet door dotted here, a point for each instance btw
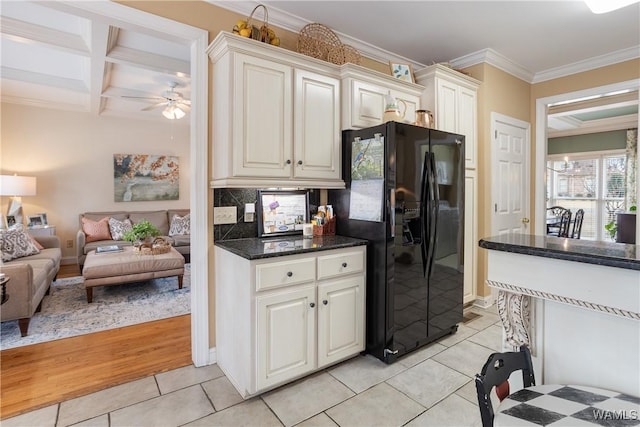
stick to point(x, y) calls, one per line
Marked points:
point(262, 118)
point(447, 100)
point(470, 235)
point(367, 105)
point(317, 126)
point(340, 319)
point(285, 335)
point(467, 124)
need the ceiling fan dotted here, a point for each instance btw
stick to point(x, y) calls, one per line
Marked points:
point(175, 105)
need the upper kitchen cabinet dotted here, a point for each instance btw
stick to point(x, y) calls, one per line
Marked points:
point(452, 98)
point(276, 117)
point(364, 92)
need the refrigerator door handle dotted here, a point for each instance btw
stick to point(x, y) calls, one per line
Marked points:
point(425, 209)
point(435, 211)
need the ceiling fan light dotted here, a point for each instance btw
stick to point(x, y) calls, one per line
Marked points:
point(172, 112)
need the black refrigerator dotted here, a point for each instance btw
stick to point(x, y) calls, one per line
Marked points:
point(405, 195)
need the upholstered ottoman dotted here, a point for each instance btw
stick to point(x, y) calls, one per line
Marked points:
point(127, 266)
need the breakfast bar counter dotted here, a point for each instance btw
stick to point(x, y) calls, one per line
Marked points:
point(576, 303)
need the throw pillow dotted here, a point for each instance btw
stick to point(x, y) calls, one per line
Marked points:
point(180, 225)
point(118, 228)
point(16, 244)
point(96, 230)
point(36, 243)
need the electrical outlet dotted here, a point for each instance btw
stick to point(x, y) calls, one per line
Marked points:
point(69, 243)
point(225, 215)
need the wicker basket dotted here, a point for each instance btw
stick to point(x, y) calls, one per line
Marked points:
point(344, 53)
point(159, 246)
point(262, 33)
point(316, 40)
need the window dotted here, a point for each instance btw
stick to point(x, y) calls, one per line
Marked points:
point(594, 182)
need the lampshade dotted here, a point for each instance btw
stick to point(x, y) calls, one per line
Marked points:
point(14, 185)
point(173, 112)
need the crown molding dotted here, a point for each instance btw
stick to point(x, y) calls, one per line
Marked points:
point(589, 64)
point(496, 59)
point(289, 22)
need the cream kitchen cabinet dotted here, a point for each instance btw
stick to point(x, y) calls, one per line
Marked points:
point(276, 117)
point(364, 92)
point(452, 98)
point(470, 235)
point(280, 318)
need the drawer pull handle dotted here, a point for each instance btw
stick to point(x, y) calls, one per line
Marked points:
point(325, 302)
point(299, 162)
point(313, 304)
point(288, 161)
point(289, 274)
point(344, 265)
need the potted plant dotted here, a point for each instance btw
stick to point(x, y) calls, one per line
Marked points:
point(627, 222)
point(142, 232)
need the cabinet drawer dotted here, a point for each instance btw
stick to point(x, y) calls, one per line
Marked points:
point(340, 264)
point(285, 273)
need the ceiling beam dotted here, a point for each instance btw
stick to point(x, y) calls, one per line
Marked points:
point(25, 32)
point(103, 37)
point(599, 125)
point(150, 61)
point(118, 92)
point(43, 79)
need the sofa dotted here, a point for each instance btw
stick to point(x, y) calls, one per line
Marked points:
point(104, 228)
point(29, 280)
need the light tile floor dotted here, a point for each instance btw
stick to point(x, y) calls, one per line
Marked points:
point(430, 387)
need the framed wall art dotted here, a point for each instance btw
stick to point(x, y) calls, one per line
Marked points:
point(401, 71)
point(145, 177)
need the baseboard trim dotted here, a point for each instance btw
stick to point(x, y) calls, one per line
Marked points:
point(213, 358)
point(69, 260)
point(484, 302)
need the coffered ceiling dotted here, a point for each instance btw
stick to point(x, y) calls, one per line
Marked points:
point(58, 55)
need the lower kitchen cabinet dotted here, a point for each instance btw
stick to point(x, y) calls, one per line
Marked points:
point(278, 319)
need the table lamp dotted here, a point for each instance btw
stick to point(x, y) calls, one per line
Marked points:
point(16, 186)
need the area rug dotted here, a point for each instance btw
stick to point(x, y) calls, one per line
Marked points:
point(66, 313)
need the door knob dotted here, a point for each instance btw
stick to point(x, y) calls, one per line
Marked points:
point(344, 265)
point(288, 161)
point(299, 162)
point(313, 304)
point(325, 302)
point(289, 274)
point(525, 220)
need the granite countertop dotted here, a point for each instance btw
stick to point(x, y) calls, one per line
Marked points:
point(258, 248)
point(619, 255)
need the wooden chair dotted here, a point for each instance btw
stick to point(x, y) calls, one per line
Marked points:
point(554, 217)
point(495, 373)
point(577, 224)
point(565, 223)
point(559, 228)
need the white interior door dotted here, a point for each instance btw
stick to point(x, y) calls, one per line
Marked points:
point(510, 175)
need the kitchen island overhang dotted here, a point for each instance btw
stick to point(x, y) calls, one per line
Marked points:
point(575, 302)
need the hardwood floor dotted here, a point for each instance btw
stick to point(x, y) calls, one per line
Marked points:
point(39, 375)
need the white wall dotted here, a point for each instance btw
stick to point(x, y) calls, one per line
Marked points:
point(71, 155)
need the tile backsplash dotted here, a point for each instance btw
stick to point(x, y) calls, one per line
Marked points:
point(238, 197)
